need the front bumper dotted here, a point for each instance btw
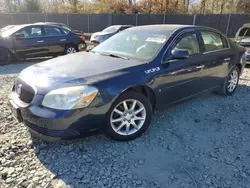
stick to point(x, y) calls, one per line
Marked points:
point(51, 125)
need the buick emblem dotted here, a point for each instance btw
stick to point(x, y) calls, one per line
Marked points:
point(19, 90)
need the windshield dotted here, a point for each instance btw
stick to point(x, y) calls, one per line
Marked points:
point(135, 44)
point(111, 29)
point(11, 30)
point(244, 32)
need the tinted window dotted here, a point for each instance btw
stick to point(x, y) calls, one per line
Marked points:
point(52, 31)
point(30, 32)
point(212, 41)
point(188, 42)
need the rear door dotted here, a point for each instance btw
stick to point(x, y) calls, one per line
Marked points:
point(217, 52)
point(55, 39)
point(32, 42)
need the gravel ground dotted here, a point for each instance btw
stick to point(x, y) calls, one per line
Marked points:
point(202, 143)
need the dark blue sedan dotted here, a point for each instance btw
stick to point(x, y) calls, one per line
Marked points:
point(118, 85)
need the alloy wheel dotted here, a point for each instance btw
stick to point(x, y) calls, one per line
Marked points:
point(71, 50)
point(232, 81)
point(128, 117)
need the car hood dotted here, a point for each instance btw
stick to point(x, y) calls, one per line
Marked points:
point(75, 69)
point(245, 41)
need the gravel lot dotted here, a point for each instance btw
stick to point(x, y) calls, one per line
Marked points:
point(202, 143)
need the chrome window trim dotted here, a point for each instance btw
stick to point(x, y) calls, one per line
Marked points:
point(42, 36)
point(215, 51)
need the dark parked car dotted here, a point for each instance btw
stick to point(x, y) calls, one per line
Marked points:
point(242, 37)
point(64, 26)
point(99, 37)
point(34, 40)
point(118, 85)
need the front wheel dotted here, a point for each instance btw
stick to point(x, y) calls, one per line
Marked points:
point(231, 82)
point(129, 117)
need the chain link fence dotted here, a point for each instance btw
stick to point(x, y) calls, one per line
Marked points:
point(89, 23)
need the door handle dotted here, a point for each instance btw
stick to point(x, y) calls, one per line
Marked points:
point(62, 40)
point(40, 41)
point(227, 59)
point(200, 67)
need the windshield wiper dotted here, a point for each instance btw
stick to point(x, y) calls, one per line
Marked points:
point(117, 56)
point(111, 55)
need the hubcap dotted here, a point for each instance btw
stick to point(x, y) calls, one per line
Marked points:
point(128, 117)
point(71, 50)
point(233, 80)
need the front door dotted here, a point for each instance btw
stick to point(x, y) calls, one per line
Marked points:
point(29, 42)
point(181, 78)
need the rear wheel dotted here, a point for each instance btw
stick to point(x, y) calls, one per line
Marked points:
point(4, 56)
point(231, 82)
point(70, 49)
point(129, 116)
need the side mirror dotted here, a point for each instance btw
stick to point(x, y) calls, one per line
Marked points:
point(19, 36)
point(180, 54)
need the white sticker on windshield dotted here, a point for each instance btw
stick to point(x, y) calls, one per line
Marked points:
point(157, 40)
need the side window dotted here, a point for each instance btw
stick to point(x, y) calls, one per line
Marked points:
point(31, 32)
point(212, 41)
point(52, 31)
point(188, 42)
point(65, 31)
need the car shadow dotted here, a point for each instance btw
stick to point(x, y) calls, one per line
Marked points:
point(15, 67)
point(100, 159)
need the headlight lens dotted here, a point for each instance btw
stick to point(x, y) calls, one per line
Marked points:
point(70, 97)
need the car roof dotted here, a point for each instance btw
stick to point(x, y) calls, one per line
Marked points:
point(246, 25)
point(171, 27)
point(38, 24)
point(163, 27)
point(120, 26)
point(52, 23)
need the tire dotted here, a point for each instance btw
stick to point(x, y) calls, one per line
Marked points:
point(4, 56)
point(233, 79)
point(118, 130)
point(70, 49)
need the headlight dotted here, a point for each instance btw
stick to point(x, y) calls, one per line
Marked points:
point(70, 97)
